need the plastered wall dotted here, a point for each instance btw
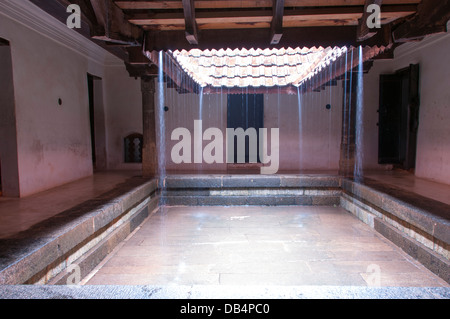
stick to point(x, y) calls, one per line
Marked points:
point(433, 144)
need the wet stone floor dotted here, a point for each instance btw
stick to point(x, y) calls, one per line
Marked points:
point(259, 246)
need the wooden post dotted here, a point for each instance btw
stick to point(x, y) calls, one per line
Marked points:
point(190, 23)
point(149, 158)
point(276, 28)
point(347, 156)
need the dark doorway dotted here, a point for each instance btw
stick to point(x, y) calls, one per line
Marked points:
point(245, 111)
point(9, 167)
point(90, 79)
point(399, 118)
point(97, 122)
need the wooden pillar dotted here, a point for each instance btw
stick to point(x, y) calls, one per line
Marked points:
point(149, 158)
point(348, 148)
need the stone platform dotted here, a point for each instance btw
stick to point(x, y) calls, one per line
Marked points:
point(84, 234)
point(259, 190)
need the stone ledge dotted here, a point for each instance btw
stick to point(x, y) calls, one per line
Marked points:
point(172, 292)
point(396, 227)
point(206, 190)
point(251, 181)
point(253, 200)
point(438, 265)
point(428, 215)
point(87, 261)
point(28, 253)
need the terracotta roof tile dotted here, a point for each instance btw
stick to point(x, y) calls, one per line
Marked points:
point(255, 67)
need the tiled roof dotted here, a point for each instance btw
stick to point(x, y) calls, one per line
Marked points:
point(255, 67)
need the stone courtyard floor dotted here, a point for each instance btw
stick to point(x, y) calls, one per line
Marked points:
point(284, 245)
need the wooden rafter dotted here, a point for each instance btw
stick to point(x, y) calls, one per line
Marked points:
point(88, 12)
point(136, 56)
point(190, 23)
point(363, 31)
point(257, 18)
point(130, 29)
point(117, 24)
point(431, 18)
point(89, 25)
point(276, 29)
point(232, 4)
point(115, 28)
point(239, 38)
point(141, 70)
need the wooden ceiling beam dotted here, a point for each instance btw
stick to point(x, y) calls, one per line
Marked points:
point(285, 18)
point(363, 31)
point(89, 25)
point(288, 13)
point(431, 18)
point(136, 56)
point(114, 26)
point(234, 4)
point(264, 22)
point(257, 38)
point(87, 11)
point(276, 28)
point(190, 23)
point(141, 70)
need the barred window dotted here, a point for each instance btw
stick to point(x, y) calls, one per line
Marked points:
point(133, 148)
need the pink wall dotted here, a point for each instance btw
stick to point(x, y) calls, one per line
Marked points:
point(321, 128)
point(123, 100)
point(433, 145)
point(314, 143)
point(183, 110)
point(49, 62)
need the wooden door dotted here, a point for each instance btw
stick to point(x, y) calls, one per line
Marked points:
point(398, 117)
point(245, 111)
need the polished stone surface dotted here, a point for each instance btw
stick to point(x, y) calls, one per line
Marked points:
point(404, 180)
point(19, 214)
point(267, 245)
